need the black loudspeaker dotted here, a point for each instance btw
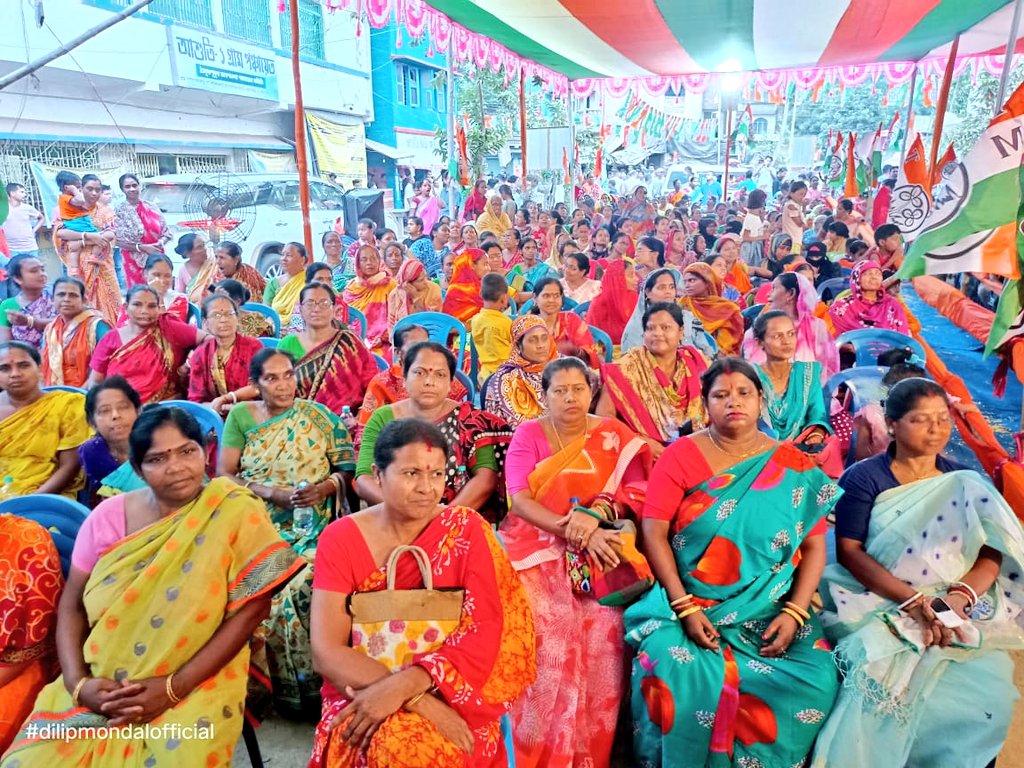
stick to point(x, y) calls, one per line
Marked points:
point(363, 204)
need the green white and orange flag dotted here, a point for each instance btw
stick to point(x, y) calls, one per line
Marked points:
point(912, 195)
point(974, 222)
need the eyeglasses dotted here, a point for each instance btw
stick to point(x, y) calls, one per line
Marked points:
point(314, 304)
point(220, 315)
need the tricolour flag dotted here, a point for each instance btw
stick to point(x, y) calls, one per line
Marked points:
point(975, 224)
point(911, 197)
point(865, 154)
point(744, 126)
point(850, 188)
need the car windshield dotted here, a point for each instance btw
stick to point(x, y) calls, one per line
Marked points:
point(168, 197)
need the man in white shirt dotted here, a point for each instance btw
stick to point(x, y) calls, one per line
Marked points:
point(23, 221)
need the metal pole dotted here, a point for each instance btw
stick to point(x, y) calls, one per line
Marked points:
point(910, 110)
point(453, 162)
point(940, 112)
point(522, 122)
point(1011, 44)
point(728, 151)
point(32, 66)
point(300, 132)
point(573, 170)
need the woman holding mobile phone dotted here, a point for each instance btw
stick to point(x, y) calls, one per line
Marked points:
point(924, 603)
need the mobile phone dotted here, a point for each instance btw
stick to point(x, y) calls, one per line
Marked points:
point(945, 614)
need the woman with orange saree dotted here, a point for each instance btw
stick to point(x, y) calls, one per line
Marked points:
point(148, 350)
point(514, 392)
point(368, 292)
point(414, 293)
point(463, 299)
point(437, 706)
point(567, 717)
point(28, 619)
point(720, 317)
point(71, 338)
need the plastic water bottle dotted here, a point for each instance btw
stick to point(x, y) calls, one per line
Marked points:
point(346, 413)
point(7, 489)
point(574, 502)
point(460, 478)
point(303, 518)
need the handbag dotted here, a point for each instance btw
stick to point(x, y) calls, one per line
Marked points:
point(393, 626)
point(620, 585)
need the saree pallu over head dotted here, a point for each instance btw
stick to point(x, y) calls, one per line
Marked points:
point(517, 382)
point(649, 401)
point(332, 373)
point(854, 311)
point(68, 347)
point(32, 436)
point(149, 363)
point(206, 276)
point(614, 305)
point(591, 466)
point(738, 561)
point(288, 294)
point(369, 294)
point(720, 317)
point(153, 601)
point(480, 669)
point(463, 299)
point(304, 443)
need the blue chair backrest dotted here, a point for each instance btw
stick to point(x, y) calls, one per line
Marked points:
point(832, 288)
point(581, 308)
point(474, 361)
point(864, 383)
point(64, 388)
point(869, 343)
point(600, 337)
point(59, 515)
point(268, 312)
point(207, 418)
point(439, 326)
point(194, 316)
point(382, 364)
point(750, 314)
point(356, 316)
point(711, 342)
point(469, 385)
point(269, 342)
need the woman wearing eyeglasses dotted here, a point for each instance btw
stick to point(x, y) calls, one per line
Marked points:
point(219, 368)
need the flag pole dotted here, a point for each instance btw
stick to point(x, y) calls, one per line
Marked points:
point(522, 121)
point(728, 151)
point(452, 162)
point(940, 110)
point(1011, 45)
point(301, 161)
point(909, 112)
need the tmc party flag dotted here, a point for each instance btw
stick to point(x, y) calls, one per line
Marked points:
point(868, 154)
point(974, 224)
point(948, 158)
point(850, 188)
point(911, 197)
point(744, 126)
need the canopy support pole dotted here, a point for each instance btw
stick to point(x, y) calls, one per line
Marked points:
point(909, 112)
point(301, 160)
point(1011, 45)
point(728, 152)
point(940, 110)
point(522, 121)
point(454, 171)
point(573, 170)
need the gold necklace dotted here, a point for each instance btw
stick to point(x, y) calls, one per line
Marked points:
point(558, 437)
point(758, 439)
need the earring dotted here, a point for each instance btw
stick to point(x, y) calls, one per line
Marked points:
point(892, 432)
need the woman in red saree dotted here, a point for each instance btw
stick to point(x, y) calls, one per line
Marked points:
point(463, 299)
point(28, 619)
point(148, 350)
point(567, 718)
point(140, 229)
point(386, 703)
point(476, 201)
point(719, 317)
point(368, 292)
point(219, 367)
point(568, 330)
point(614, 305)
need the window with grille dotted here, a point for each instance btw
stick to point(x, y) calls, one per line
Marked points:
point(311, 28)
point(408, 85)
point(198, 13)
point(248, 20)
point(106, 160)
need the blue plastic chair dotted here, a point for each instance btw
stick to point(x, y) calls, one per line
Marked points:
point(869, 343)
point(382, 364)
point(865, 386)
point(194, 316)
point(207, 418)
point(833, 288)
point(581, 308)
point(356, 316)
point(439, 327)
point(269, 342)
point(600, 337)
point(268, 312)
point(711, 342)
point(64, 388)
point(750, 314)
point(469, 385)
point(59, 515)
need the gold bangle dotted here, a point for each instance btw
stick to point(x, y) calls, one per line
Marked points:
point(169, 690)
point(689, 611)
point(802, 611)
point(796, 616)
point(681, 602)
point(78, 689)
point(414, 699)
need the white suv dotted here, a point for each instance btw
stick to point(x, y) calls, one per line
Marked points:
point(260, 211)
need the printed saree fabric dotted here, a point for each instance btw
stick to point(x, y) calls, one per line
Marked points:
point(151, 360)
point(479, 669)
point(369, 294)
point(898, 699)
point(336, 373)
point(199, 284)
point(31, 437)
point(212, 377)
point(152, 601)
point(28, 617)
point(719, 316)
point(463, 298)
point(68, 347)
point(802, 405)
point(652, 403)
point(515, 392)
point(693, 707)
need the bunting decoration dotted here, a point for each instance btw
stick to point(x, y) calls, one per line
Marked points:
point(640, 116)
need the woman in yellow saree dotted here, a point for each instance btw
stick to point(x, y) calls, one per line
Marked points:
point(39, 431)
point(282, 292)
point(166, 587)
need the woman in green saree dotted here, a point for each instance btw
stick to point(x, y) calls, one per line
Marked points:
point(793, 398)
point(731, 668)
point(272, 446)
point(165, 589)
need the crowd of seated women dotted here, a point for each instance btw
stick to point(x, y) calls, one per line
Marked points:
point(212, 581)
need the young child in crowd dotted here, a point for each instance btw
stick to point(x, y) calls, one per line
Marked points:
point(77, 228)
point(490, 327)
